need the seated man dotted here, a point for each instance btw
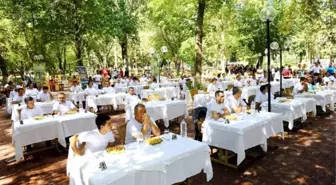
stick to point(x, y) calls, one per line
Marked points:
point(239, 82)
point(44, 95)
point(235, 103)
point(90, 90)
point(75, 87)
point(141, 123)
point(262, 96)
point(217, 108)
point(118, 84)
point(133, 82)
point(31, 110)
point(19, 96)
point(212, 87)
point(62, 106)
point(107, 89)
point(154, 84)
point(300, 87)
point(31, 90)
point(132, 98)
point(95, 140)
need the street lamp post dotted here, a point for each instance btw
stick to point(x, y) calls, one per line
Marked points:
point(164, 50)
point(267, 15)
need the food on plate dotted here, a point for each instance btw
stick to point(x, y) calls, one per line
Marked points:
point(154, 140)
point(38, 117)
point(285, 100)
point(116, 149)
point(231, 117)
point(71, 112)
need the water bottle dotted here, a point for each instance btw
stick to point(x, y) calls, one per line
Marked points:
point(253, 106)
point(183, 129)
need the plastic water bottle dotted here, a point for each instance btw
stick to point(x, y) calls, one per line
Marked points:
point(183, 129)
point(253, 106)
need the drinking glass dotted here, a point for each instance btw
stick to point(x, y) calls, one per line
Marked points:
point(166, 134)
point(244, 109)
point(140, 141)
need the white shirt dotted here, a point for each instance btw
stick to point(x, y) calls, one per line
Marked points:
point(108, 90)
point(316, 69)
point(132, 99)
point(97, 78)
point(182, 82)
point(332, 78)
point(154, 85)
point(134, 127)
point(232, 103)
point(27, 113)
point(90, 91)
point(31, 92)
point(12, 94)
point(117, 85)
point(297, 87)
point(214, 106)
point(95, 141)
point(18, 98)
point(261, 98)
point(75, 88)
point(212, 89)
point(133, 83)
point(325, 79)
point(252, 82)
point(239, 83)
point(43, 96)
point(64, 107)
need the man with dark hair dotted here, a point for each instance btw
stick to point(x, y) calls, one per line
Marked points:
point(262, 96)
point(317, 79)
point(217, 108)
point(44, 95)
point(95, 140)
point(131, 98)
point(141, 125)
point(235, 103)
point(300, 87)
point(90, 90)
point(19, 96)
point(154, 84)
point(31, 110)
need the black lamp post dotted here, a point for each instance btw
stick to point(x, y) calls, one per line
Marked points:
point(267, 15)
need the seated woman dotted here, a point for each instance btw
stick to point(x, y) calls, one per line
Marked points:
point(95, 140)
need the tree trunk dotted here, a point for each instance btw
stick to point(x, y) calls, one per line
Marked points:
point(22, 70)
point(260, 62)
point(199, 40)
point(3, 68)
point(124, 51)
point(64, 60)
point(78, 36)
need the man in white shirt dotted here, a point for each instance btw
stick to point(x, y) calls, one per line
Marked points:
point(212, 87)
point(133, 82)
point(250, 81)
point(31, 91)
point(238, 82)
point(75, 87)
point(217, 109)
point(19, 96)
point(62, 106)
point(118, 84)
point(132, 98)
point(44, 95)
point(90, 91)
point(235, 103)
point(300, 87)
point(107, 89)
point(316, 68)
point(95, 140)
point(262, 96)
point(97, 79)
point(154, 84)
point(31, 110)
point(141, 125)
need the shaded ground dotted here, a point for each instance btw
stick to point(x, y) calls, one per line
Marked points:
point(304, 157)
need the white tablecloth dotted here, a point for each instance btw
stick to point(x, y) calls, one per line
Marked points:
point(47, 108)
point(323, 98)
point(34, 131)
point(106, 99)
point(249, 91)
point(166, 110)
point(203, 100)
point(9, 105)
point(77, 97)
point(167, 92)
point(163, 164)
point(137, 89)
point(289, 110)
point(224, 85)
point(310, 104)
point(169, 84)
point(246, 132)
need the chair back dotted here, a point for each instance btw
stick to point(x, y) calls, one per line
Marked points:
point(122, 132)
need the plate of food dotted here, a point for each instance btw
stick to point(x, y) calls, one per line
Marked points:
point(71, 112)
point(39, 117)
point(154, 140)
point(231, 117)
point(284, 101)
point(116, 149)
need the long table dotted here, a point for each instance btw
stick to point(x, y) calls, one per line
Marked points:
point(246, 132)
point(46, 107)
point(166, 163)
point(35, 131)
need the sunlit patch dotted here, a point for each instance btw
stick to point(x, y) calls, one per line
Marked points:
point(319, 167)
point(301, 180)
